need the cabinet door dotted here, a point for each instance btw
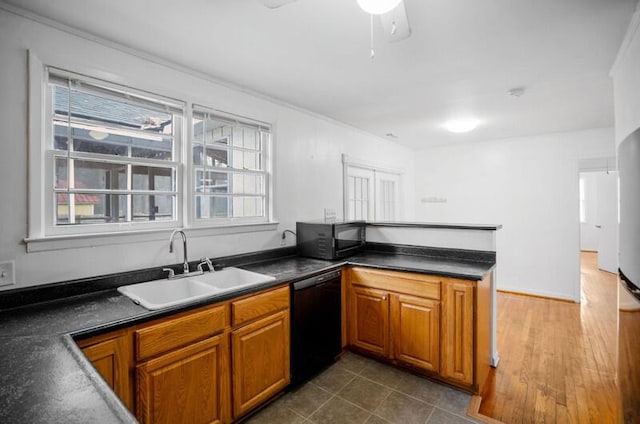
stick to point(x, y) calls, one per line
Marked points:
point(111, 358)
point(415, 324)
point(369, 320)
point(188, 385)
point(260, 361)
point(457, 331)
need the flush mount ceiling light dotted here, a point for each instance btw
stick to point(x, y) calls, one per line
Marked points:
point(461, 125)
point(378, 7)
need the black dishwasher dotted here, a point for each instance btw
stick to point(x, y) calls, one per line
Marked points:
point(316, 328)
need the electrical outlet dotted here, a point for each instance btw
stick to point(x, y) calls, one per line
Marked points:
point(329, 215)
point(7, 273)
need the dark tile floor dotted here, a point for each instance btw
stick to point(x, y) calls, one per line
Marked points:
point(359, 390)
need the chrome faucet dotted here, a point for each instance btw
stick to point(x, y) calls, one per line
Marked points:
point(185, 266)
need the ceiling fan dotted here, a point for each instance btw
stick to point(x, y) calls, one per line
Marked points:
point(393, 15)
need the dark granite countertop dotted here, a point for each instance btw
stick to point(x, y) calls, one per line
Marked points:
point(45, 377)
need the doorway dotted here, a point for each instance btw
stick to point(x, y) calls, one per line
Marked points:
point(599, 212)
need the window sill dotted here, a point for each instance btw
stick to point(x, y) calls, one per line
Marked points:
point(62, 242)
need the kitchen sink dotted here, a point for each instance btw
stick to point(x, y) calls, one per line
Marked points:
point(160, 294)
point(232, 279)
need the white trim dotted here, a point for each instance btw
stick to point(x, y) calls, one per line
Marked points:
point(551, 295)
point(351, 161)
point(61, 242)
point(632, 29)
point(36, 96)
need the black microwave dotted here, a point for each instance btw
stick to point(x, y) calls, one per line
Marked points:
point(330, 240)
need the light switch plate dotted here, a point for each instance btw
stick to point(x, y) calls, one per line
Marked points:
point(7, 273)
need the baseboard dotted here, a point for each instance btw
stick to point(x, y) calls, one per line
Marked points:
point(537, 295)
point(474, 411)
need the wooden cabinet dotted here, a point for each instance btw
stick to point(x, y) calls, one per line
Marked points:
point(260, 349)
point(111, 356)
point(397, 326)
point(182, 371)
point(435, 325)
point(457, 331)
point(208, 365)
point(415, 329)
point(187, 385)
point(369, 320)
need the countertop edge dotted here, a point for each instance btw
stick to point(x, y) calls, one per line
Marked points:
point(106, 393)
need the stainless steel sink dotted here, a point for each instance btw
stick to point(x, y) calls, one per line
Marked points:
point(160, 294)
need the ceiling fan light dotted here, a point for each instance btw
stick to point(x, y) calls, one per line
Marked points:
point(461, 125)
point(378, 7)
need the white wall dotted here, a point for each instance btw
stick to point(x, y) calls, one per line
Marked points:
point(626, 81)
point(307, 172)
point(626, 84)
point(530, 186)
point(588, 230)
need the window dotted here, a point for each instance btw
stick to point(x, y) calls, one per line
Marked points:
point(108, 159)
point(229, 172)
point(112, 153)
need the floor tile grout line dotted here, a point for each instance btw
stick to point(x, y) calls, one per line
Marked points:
point(333, 395)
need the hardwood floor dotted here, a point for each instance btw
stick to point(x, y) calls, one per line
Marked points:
point(557, 359)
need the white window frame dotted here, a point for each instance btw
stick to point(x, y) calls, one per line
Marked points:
point(266, 156)
point(41, 172)
point(40, 238)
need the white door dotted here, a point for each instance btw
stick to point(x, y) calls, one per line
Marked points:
point(607, 221)
point(359, 194)
point(387, 198)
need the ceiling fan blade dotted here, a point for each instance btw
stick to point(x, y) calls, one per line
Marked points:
point(396, 24)
point(274, 4)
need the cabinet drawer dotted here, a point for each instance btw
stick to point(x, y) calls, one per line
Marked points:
point(250, 308)
point(400, 282)
point(180, 331)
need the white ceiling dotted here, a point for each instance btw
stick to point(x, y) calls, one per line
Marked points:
point(462, 58)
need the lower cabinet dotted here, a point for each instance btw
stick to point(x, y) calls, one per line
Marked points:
point(392, 316)
point(260, 361)
point(436, 325)
point(111, 357)
point(188, 385)
point(415, 329)
point(369, 320)
point(458, 331)
point(209, 365)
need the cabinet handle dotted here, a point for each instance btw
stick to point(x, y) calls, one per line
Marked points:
point(384, 297)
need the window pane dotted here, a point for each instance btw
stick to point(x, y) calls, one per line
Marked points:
point(152, 207)
point(153, 178)
point(214, 157)
point(90, 121)
point(247, 184)
point(213, 207)
point(214, 182)
point(99, 175)
point(90, 208)
point(229, 207)
point(106, 126)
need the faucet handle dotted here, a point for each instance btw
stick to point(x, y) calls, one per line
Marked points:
point(171, 273)
point(207, 261)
